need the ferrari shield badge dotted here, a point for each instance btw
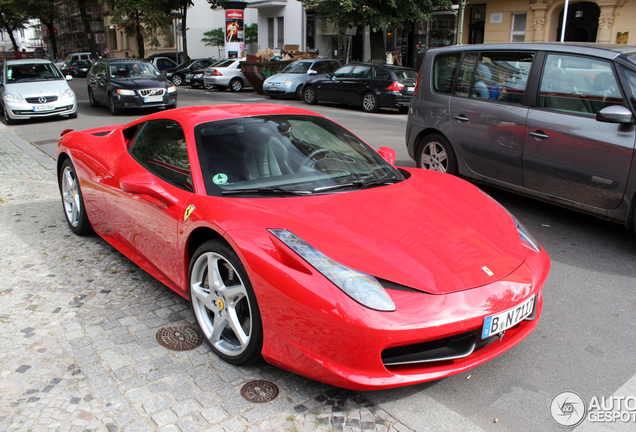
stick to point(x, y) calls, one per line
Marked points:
point(188, 212)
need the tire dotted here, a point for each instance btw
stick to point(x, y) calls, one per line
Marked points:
point(309, 96)
point(299, 93)
point(91, 99)
point(111, 105)
point(177, 79)
point(7, 120)
point(227, 312)
point(370, 103)
point(72, 116)
point(208, 86)
point(435, 153)
point(236, 85)
point(72, 200)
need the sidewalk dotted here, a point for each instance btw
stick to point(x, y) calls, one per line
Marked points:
point(78, 347)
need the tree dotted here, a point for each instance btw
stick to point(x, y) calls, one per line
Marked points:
point(47, 12)
point(12, 18)
point(215, 38)
point(251, 33)
point(142, 19)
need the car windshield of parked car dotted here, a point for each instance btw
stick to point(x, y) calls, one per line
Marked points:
point(133, 70)
point(32, 72)
point(297, 68)
point(261, 156)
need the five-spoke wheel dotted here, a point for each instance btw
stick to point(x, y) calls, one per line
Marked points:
point(435, 153)
point(72, 200)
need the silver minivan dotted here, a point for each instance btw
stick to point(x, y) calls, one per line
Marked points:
point(552, 121)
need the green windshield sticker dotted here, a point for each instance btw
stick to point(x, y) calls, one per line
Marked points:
point(219, 179)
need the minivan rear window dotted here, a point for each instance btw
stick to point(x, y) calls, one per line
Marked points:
point(444, 70)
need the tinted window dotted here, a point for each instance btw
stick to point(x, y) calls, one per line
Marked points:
point(226, 63)
point(160, 146)
point(444, 70)
point(343, 72)
point(580, 85)
point(132, 70)
point(466, 74)
point(405, 74)
point(361, 72)
point(502, 77)
point(333, 66)
point(381, 74)
point(321, 67)
point(630, 88)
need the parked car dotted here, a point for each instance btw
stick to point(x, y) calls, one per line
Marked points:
point(226, 74)
point(195, 77)
point(548, 120)
point(177, 74)
point(76, 68)
point(171, 55)
point(129, 83)
point(371, 86)
point(283, 231)
point(78, 56)
point(290, 81)
point(34, 88)
point(161, 63)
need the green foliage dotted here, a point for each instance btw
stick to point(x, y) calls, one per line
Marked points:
point(214, 37)
point(12, 17)
point(379, 14)
point(214, 3)
point(251, 33)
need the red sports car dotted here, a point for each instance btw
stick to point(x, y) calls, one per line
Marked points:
point(297, 242)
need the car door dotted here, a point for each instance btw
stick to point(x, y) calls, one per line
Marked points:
point(488, 116)
point(355, 85)
point(97, 81)
point(148, 188)
point(329, 89)
point(567, 152)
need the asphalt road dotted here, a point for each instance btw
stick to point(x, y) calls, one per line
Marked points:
point(585, 339)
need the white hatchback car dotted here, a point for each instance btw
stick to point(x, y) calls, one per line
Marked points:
point(226, 74)
point(35, 88)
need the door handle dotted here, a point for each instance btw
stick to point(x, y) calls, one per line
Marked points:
point(539, 135)
point(461, 118)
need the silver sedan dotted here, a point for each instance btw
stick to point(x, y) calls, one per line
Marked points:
point(226, 74)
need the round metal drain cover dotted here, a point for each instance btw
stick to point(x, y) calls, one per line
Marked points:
point(259, 391)
point(180, 338)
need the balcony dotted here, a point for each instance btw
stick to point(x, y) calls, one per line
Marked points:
point(262, 4)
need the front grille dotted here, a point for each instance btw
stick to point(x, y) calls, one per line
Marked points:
point(152, 92)
point(45, 99)
point(41, 113)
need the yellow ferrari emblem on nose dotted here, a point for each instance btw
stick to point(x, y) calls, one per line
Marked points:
point(219, 304)
point(188, 212)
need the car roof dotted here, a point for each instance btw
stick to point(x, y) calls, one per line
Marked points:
point(191, 116)
point(27, 61)
point(125, 60)
point(388, 66)
point(599, 49)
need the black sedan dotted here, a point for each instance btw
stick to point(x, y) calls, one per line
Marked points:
point(369, 85)
point(178, 73)
point(76, 68)
point(129, 83)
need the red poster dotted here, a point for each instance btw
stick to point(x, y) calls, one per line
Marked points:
point(234, 25)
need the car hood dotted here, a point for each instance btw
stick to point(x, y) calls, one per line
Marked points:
point(432, 232)
point(38, 88)
point(140, 83)
point(280, 78)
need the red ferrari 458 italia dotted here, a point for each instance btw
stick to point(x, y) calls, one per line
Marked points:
point(298, 243)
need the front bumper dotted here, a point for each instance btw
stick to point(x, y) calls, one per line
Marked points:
point(278, 90)
point(25, 110)
point(137, 101)
point(217, 81)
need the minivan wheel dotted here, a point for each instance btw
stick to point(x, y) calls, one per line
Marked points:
point(435, 153)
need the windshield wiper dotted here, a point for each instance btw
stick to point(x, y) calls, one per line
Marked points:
point(360, 182)
point(266, 190)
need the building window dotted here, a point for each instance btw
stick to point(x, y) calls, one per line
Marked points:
point(518, 32)
point(270, 32)
point(281, 31)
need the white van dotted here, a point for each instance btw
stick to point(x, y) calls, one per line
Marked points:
point(78, 56)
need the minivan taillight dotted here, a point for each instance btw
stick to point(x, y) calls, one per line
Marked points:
point(417, 83)
point(396, 86)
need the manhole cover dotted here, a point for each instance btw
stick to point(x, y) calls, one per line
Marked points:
point(179, 338)
point(259, 391)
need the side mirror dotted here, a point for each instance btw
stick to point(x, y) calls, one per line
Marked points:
point(312, 72)
point(69, 78)
point(388, 154)
point(615, 114)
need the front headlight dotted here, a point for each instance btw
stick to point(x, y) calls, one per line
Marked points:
point(361, 287)
point(172, 89)
point(68, 93)
point(197, 76)
point(125, 92)
point(13, 98)
point(287, 82)
point(524, 234)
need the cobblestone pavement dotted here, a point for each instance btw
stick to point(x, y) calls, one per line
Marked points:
point(77, 336)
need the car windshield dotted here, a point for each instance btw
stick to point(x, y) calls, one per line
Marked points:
point(32, 72)
point(185, 64)
point(297, 68)
point(133, 70)
point(261, 156)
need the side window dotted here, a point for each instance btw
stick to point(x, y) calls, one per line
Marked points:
point(160, 146)
point(381, 74)
point(361, 72)
point(502, 77)
point(580, 85)
point(466, 74)
point(320, 67)
point(630, 88)
point(333, 66)
point(444, 70)
point(343, 72)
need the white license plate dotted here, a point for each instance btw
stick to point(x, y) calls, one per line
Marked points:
point(497, 323)
point(43, 107)
point(410, 89)
point(153, 99)
point(273, 89)
point(187, 80)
